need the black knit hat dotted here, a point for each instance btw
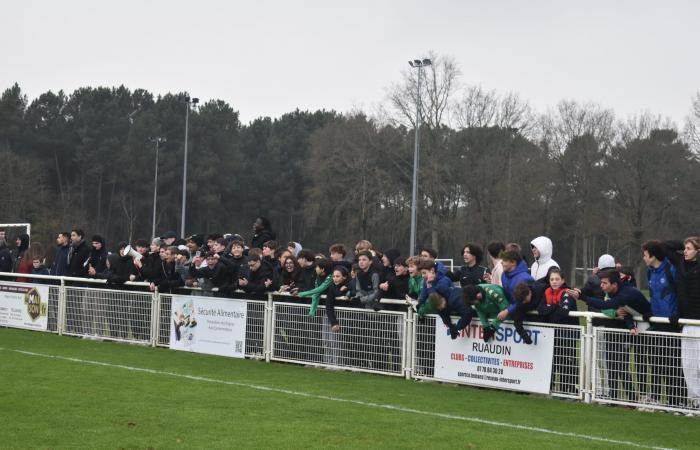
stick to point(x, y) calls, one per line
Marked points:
point(98, 238)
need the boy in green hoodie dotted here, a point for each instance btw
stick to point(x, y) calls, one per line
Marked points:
point(488, 300)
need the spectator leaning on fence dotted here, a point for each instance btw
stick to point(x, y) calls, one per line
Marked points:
point(323, 281)
point(433, 281)
point(514, 272)
point(451, 305)
point(488, 300)
point(367, 282)
point(665, 352)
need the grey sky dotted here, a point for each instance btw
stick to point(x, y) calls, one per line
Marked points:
point(270, 57)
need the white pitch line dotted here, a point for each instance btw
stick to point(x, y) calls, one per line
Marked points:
point(343, 400)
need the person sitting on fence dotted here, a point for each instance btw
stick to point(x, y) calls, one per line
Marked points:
point(453, 304)
point(367, 290)
point(323, 281)
point(259, 278)
point(472, 272)
point(433, 281)
point(488, 300)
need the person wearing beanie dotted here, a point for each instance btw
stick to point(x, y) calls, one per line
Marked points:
point(542, 251)
point(98, 256)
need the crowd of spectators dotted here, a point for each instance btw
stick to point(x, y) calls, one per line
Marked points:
point(493, 285)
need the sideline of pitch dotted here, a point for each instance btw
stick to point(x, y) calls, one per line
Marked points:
point(340, 400)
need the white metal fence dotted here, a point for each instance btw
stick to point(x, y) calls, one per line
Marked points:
point(655, 370)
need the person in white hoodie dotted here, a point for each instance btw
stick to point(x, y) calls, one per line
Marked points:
point(542, 251)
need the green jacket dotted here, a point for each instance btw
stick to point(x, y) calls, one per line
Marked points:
point(493, 301)
point(415, 284)
point(315, 293)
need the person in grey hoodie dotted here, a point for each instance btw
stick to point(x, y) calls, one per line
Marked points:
point(542, 251)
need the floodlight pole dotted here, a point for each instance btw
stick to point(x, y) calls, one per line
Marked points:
point(189, 102)
point(157, 140)
point(419, 64)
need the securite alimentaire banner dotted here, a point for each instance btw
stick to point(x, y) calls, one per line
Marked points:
point(208, 325)
point(504, 362)
point(24, 305)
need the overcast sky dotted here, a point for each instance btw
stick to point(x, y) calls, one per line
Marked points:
point(269, 57)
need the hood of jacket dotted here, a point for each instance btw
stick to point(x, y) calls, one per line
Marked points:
point(544, 246)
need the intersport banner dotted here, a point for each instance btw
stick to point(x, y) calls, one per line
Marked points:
point(504, 362)
point(208, 325)
point(24, 305)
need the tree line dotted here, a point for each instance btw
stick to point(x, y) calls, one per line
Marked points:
point(492, 168)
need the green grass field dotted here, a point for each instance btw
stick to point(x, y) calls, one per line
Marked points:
point(62, 392)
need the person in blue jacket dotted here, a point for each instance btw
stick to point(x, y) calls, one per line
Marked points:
point(453, 304)
point(515, 271)
point(433, 281)
point(665, 351)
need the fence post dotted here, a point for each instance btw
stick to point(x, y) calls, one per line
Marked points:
point(409, 342)
point(155, 317)
point(61, 313)
point(269, 326)
point(587, 361)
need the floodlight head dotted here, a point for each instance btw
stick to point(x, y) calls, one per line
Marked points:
point(410, 63)
point(195, 101)
point(426, 62)
point(417, 62)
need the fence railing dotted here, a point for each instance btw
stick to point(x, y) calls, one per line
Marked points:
point(654, 370)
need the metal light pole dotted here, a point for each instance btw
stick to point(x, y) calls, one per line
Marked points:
point(419, 64)
point(189, 102)
point(157, 140)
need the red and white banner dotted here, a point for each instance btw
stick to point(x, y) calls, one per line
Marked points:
point(504, 362)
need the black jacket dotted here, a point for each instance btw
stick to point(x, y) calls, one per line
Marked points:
point(333, 292)
point(168, 278)
point(307, 278)
point(470, 275)
point(120, 267)
point(219, 275)
point(261, 237)
point(98, 259)
point(687, 281)
point(77, 257)
point(256, 280)
point(5, 260)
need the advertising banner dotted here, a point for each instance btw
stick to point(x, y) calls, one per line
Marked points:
point(504, 362)
point(208, 325)
point(24, 305)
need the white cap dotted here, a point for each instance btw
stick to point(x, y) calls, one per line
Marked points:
point(606, 262)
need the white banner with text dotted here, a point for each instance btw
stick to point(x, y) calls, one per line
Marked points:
point(505, 361)
point(24, 305)
point(208, 325)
